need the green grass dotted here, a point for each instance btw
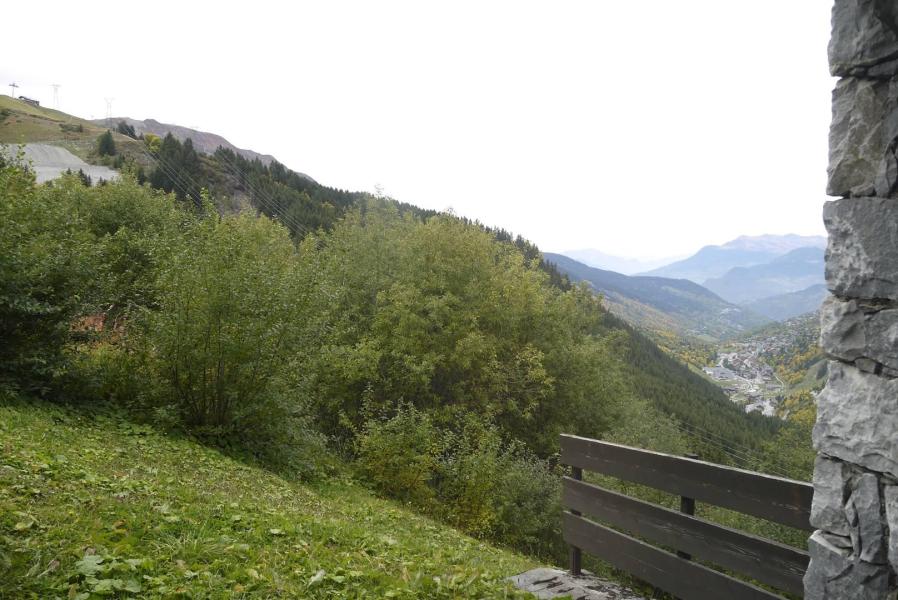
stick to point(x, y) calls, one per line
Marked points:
point(94, 506)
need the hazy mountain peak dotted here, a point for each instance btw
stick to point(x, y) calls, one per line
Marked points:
point(601, 260)
point(745, 251)
point(779, 244)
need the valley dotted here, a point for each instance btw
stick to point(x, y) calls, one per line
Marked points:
point(759, 371)
point(747, 379)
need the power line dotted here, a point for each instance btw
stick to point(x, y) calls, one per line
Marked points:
point(261, 195)
point(747, 458)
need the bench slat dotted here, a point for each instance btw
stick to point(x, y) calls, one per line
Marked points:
point(683, 578)
point(769, 562)
point(777, 499)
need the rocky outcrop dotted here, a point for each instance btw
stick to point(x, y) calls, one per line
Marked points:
point(854, 552)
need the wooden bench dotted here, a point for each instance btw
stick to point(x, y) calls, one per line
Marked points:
point(780, 500)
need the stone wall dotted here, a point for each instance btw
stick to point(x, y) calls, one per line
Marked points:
point(854, 552)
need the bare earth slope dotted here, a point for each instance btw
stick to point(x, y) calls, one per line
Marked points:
point(49, 162)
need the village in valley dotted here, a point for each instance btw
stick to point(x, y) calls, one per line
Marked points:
point(747, 379)
point(746, 368)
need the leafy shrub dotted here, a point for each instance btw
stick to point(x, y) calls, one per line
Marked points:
point(469, 477)
point(47, 264)
point(399, 455)
point(227, 325)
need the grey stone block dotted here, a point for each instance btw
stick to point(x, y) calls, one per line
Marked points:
point(859, 136)
point(854, 332)
point(834, 575)
point(865, 500)
point(857, 417)
point(890, 495)
point(830, 489)
point(862, 252)
point(864, 36)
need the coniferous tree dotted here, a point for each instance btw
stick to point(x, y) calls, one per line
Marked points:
point(126, 129)
point(105, 144)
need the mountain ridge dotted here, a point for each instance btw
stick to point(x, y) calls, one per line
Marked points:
point(662, 303)
point(793, 304)
point(714, 261)
point(203, 141)
point(791, 272)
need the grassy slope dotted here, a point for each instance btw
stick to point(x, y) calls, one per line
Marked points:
point(37, 124)
point(170, 517)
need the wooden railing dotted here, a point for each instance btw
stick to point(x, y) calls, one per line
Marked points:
point(771, 563)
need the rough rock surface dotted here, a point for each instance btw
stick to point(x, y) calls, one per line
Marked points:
point(553, 583)
point(862, 138)
point(864, 37)
point(857, 417)
point(862, 253)
point(865, 502)
point(891, 504)
point(851, 330)
point(830, 488)
point(835, 575)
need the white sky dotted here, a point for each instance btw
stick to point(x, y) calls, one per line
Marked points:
point(643, 129)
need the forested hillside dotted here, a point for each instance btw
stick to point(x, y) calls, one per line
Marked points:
point(438, 358)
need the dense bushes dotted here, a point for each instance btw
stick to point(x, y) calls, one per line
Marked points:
point(439, 361)
point(470, 477)
point(47, 264)
point(442, 317)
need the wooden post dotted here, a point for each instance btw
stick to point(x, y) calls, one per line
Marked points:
point(576, 473)
point(687, 506)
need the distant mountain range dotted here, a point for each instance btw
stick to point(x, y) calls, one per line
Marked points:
point(792, 272)
point(628, 266)
point(787, 306)
point(660, 303)
point(715, 261)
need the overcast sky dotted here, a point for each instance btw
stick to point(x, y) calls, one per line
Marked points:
point(643, 129)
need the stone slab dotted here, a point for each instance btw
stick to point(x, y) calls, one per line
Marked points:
point(862, 138)
point(857, 417)
point(853, 331)
point(862, 252)
point(830, 490)
point(890, 495)
point(834, 574)
point(547, 583)
point(864, 38)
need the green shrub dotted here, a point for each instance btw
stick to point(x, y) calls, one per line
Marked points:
point(399, 456)
point(227, 324)
point(48, 261)
point(469, 478)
